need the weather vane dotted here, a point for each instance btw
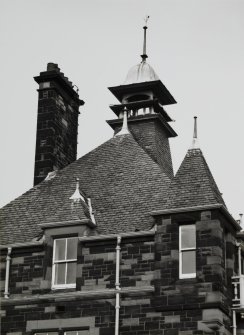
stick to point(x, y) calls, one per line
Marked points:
point(146, 19)
point(144, 52)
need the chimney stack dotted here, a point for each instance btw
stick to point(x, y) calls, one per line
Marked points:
point(57, 122)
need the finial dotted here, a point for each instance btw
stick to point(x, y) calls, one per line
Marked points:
point(195, 144)
point(76, 197)
point(144, 54)
point(124, 130)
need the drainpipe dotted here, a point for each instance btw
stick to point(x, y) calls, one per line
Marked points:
point(117, 286)
point(234, 322)
point(240, 283)
point(239, 259)
point(8, 259)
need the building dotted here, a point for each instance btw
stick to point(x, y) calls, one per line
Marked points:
point(114, 242)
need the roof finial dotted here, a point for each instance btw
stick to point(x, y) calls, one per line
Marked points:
point(195, 144)
point(144, 54)
point(76, 197)
point(124, 130)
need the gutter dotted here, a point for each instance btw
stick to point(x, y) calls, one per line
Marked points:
point(21, 245)
point(115, 236)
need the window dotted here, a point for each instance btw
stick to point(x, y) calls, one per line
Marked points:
point(64, 263)
point(45, 84)
point(187, 249)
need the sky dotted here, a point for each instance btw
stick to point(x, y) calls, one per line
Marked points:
point(195, 47)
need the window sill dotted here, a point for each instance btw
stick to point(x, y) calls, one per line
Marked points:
point(63, 287)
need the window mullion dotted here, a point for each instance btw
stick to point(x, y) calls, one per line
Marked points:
point(66, 248)
point(66, 267)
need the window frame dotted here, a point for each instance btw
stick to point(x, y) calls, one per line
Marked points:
point(65, 261)
point(182, 250)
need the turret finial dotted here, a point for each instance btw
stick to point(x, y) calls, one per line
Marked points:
point(195, 144)
point(124, 130)
point(144, 52)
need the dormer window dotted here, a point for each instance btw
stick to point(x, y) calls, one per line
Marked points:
point(187, 249)
point(64, 263)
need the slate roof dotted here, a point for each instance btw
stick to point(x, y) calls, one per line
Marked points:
point(193, 184)
point(123, 182)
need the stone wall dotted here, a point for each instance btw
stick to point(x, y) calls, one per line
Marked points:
point(153, 299)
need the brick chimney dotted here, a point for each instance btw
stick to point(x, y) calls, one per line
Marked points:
point(57, 122)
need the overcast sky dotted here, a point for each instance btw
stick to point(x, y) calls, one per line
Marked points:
point(195, 46)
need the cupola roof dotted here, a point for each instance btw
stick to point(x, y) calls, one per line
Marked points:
point(140, 73)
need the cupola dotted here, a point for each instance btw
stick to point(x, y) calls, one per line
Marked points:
point(144, 96)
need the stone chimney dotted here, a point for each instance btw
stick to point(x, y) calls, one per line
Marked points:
point(57, 122)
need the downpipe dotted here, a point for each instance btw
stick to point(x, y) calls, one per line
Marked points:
point(117, 285)
point(234, 321)
point(8, 259)
point(239, 274)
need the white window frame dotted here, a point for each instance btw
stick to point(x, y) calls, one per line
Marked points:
point(54, 262)
point(181, 251)
point(77, 331)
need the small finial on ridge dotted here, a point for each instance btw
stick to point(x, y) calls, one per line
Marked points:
point(144, 54)
point(76, 197)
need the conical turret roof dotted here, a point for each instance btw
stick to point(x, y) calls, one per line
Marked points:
point(193, 184)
